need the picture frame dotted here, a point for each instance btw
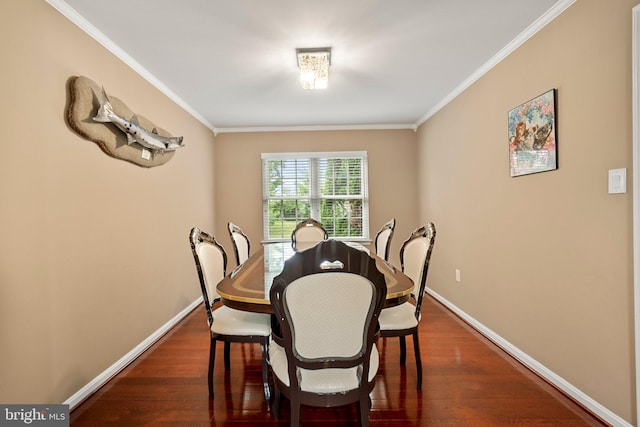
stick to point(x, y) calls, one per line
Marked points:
point(532, 136)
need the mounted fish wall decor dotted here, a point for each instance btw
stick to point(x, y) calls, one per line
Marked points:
point(118, 131)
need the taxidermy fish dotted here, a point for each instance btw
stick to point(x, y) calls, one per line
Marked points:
point(135, 132)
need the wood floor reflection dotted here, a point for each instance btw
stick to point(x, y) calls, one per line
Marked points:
point(468, 381)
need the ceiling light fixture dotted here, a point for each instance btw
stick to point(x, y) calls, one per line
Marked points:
point(314, 67)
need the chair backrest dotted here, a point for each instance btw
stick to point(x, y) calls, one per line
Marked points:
point(240, 242)
point(383, 239)
point(415, 254)
point(307, 233)
point(327, 301)
point(211, 264)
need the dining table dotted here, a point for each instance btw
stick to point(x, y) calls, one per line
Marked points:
point(247, 286)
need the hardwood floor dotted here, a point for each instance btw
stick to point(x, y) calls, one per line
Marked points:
point(467, 381)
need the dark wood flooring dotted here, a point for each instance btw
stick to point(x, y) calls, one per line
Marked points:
point(468, 381)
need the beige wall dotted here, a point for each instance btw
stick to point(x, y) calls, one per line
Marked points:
point(94, 255)
point(392, 171)
point(546, 259)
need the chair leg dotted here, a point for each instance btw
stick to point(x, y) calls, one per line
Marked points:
point(227, 355)
point(403, 350)
point(212, 362)
point(363, 410)
point(265, 369)
point(295, 410)
point(276, 402)
point(416, 349)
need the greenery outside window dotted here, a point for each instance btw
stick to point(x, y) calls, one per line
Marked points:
point(328, 187)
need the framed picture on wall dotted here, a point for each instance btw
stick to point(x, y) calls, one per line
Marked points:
point(532, 135)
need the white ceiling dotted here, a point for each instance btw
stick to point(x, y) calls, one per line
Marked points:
point(232, 64)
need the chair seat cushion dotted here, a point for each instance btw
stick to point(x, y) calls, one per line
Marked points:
point(228, 321)
point(399, 317)
point(321, 380)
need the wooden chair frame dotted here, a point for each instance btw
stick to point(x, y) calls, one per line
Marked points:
point(390, 225)
point(197, 237)
point(233, 230)
point(309, 222)
point(428, 231)
point(308, 263)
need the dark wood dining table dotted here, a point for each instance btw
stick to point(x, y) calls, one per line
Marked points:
point(247, 287)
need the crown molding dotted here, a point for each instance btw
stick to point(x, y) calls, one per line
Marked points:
point(316, 128)
point(66, 10)
point(529, 32)
point(105, 41)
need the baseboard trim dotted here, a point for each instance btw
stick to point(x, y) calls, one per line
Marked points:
point(541, 370)
point(86, 391)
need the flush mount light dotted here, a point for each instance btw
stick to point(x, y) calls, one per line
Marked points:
point(314, 67)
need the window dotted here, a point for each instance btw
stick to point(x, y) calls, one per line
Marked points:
point(328, 187)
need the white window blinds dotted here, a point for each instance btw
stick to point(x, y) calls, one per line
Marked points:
point(328, 187)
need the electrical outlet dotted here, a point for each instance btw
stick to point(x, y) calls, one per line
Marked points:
point(458, 276)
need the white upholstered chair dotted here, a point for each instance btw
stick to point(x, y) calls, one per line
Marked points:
point(327, 313)
point(403, 320)
point(307, 233)
point(240, 241)
point(383, 239)
point(225, 324)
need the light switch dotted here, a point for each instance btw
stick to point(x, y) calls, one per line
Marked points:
point(617, 181)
